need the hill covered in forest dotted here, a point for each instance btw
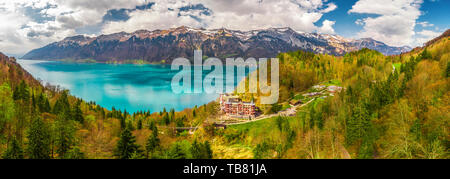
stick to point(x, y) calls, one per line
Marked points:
point(391, 107)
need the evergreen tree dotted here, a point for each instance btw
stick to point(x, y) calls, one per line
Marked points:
point(366, 149)
point(14, 150)
point(38, 140)
point(180, 121)
point(201, 150)
point(166, 119)
point(130, 126)
point(33, 102)
point(194, 111)
point(42, 103)
point(126, 146)
point(139, 124)
point(260, 151)
point(46, 107)
point(65, 136)
point(426, 55)
point(77, 113)
point(172, 114)
point(176, 152)
point(62, 105)
point(196, 150)
point(153, 142)
point(208, 150)
point(22, 92)
point(152, 125)
point(357, 124)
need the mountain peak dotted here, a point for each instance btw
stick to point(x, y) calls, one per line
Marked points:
point(77, 38)
point(181, 41)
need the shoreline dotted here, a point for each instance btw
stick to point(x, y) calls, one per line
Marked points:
point(119, 62)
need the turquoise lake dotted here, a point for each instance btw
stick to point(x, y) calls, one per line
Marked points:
point(122, 86)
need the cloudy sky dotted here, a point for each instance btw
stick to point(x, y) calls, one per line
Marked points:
point(29, 24)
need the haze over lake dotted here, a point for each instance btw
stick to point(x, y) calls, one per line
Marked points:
point(123, 86)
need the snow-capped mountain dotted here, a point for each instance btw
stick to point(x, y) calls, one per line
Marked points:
point(158, 45)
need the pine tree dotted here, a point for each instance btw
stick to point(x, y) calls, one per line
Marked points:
point(123, 123)
point(130, 126)
point(172, 114)
point(139, 124)
point(126, 146)
point(77, 113)
point(152, 125)
point(357, 124)
point(33, 102)
point(153, 142)
point(194, 111)
point(426, 55)
point(47, 107)
point(62, 104)
point(201, 150)
point(38, 135)
point(196, 150)
point(21, 92)
point(14, 150)
point(208, 150)
point(176, 152)
point(43, 103)
point(65, 136)
point(166, 119)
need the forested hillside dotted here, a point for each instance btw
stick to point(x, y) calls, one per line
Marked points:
point(391, 107)
point(45, 122)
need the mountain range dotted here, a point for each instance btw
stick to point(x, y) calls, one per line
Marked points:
point(166, 45)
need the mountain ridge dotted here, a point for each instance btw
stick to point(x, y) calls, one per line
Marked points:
point(159, 45)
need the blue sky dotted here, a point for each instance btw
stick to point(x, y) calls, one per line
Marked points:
point(29, 24)
point(436, 12)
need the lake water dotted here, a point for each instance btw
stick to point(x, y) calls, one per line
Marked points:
point(123, 86)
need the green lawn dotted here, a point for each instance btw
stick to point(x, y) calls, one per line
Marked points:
point(333, 82)
point(397, 65)
point(265, 123)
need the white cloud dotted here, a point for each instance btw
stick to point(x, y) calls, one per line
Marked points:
point(425, 24)
point(425, 36)
point(394, 21)
point(54, 20)
point(327, 27)
point(429, 33)
point(21, 33)
point(331, 7)
point(234, 14)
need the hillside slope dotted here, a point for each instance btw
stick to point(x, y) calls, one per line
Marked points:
point(381, 113)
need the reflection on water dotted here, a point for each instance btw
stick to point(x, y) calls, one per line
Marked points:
point(126, 86)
